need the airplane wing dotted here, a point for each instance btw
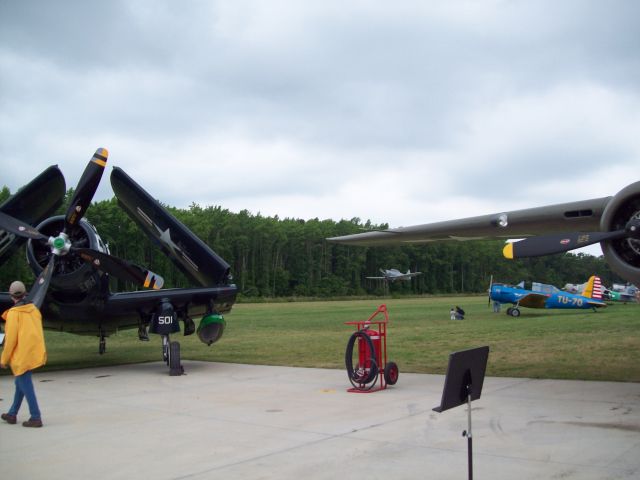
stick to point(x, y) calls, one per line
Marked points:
point(124, 310)
point(190, 254)
point(533, 300)
point(32, 203)
point(563, 217)
point(195, 301)
point(614, 222)
point(377, 278)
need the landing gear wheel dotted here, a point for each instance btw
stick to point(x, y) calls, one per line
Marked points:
point(175, 368)
point(509, 310)
point(391, 373)
point(515, 312)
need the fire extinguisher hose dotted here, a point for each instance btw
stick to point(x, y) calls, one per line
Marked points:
point(354, 375)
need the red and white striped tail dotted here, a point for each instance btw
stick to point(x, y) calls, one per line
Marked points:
point(597, 288)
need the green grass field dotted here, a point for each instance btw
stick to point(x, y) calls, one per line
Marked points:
point(571, 344)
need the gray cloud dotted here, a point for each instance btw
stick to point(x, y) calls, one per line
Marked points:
point(322, 110)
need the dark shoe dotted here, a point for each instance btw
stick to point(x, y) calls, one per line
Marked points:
point(32, 423)
point(9, 418)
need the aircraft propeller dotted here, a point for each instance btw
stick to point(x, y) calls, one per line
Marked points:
point(17, 227)
point(87, 186)
point(563, 242)
point(121, 268)
point(39, 289)
point(62, 244)
point(489, 291)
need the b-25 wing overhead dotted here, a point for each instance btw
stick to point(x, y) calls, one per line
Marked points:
point(613, 221)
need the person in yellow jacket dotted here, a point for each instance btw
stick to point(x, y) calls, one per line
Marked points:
point(24, 350)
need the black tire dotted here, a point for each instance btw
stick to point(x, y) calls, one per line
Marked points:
point(515, 312)
point(509, 310)
point(391, 373)
point(174, 359)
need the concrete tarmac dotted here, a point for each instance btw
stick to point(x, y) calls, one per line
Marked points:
point(229, 421)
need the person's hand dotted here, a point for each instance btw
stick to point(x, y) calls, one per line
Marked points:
point(2, 365)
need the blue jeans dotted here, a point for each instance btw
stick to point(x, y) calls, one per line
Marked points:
point(24, 388)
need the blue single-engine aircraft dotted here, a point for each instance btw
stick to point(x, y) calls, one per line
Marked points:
point(547, 298)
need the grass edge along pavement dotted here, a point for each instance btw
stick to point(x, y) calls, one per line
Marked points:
point(559, 344)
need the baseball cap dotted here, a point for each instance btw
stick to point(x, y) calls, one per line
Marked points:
point(17, 289)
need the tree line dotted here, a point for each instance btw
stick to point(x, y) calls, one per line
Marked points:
point(274, 257)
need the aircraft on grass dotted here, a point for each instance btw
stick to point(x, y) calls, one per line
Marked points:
point(73, 264)
point(394, 274)
point(612, 221)
point(546, 296)
point(623, 293)
point(617, 293)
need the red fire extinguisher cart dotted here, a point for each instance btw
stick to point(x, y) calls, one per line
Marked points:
point(366, 355)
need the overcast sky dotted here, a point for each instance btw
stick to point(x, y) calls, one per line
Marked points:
point(402, 112)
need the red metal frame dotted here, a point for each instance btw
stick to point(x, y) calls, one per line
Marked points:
point(381, 353)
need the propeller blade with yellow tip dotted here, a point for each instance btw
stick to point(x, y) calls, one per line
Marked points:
point(122, 269)
point(87, 186)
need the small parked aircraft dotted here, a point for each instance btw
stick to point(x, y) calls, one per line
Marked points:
point(617, 293)
point(623, 293)
point(546, 296)
point(393, 274)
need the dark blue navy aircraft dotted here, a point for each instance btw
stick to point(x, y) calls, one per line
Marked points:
point(73, 264)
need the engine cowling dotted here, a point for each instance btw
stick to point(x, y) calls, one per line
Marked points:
point(71, 274)
point(623, 255)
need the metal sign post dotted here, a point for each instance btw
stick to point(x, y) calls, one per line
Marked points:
point(463, 383)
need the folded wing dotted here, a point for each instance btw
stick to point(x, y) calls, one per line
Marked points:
point(190, 254)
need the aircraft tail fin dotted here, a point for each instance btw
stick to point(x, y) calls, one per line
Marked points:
point(593, 288)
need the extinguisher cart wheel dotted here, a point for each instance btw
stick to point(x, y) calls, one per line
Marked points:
point(391, 373)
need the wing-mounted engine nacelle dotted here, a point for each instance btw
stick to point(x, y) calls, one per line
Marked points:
point(71, 274)
point(211, 328)
point(623, 255)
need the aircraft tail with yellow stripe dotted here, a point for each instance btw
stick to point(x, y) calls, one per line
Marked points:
point(593, 288)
